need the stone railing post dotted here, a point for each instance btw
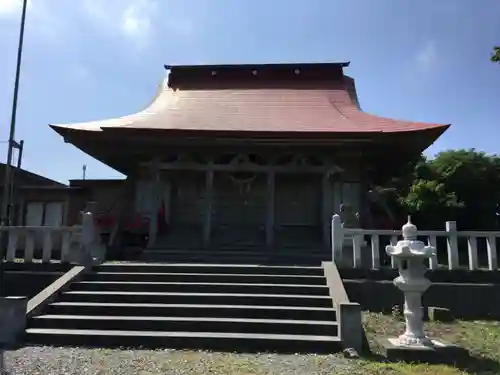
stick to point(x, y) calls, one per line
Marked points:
point(66, 245)
point(452, 245)
point(337, 239)
point(472, 252)
point(375, 244)
point(29, 245)
point(13, 239)
point(491, 246)
point(93, 248)
point(47, 245)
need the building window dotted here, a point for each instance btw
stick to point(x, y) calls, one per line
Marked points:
point(44, 214)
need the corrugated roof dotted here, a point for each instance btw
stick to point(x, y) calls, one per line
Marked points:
point(312, 106)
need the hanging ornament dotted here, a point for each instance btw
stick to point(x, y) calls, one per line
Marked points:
point(243, 181)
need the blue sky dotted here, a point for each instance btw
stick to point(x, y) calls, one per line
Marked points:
point(424, 60)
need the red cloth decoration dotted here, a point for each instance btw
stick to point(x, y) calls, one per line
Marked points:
point(136, 223)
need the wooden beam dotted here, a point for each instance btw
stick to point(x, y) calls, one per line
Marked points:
point(191, 166)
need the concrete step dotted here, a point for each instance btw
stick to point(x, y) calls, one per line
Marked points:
point(194, 287)
point(199, 298)
point(246, 253)
point(237, 341)
point(209, 268)
point(186, 324)
point(191, 305)
point(193, 310)
point(205, 277)
point(276, 259)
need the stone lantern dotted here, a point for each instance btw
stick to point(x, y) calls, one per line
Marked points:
point(410, 255)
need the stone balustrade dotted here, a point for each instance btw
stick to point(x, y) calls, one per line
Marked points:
point(351, 247)
point(45, 244)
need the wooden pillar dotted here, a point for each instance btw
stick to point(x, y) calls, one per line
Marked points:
point(326, 208)
point(271, 197)
point(364, 210)
point(152, 197)
point(365, 204)
point(209, 192)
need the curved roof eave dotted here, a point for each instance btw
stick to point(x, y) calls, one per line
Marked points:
point(99, 125)
point(321, 111)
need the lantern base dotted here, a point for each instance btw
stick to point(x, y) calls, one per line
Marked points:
point(439, 351)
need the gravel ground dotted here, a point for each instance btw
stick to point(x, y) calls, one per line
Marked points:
point(67, 361)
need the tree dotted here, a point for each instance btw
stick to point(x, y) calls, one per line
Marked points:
point(474, 177)
point(430, 203)
point(457, 185)
point(495, 56)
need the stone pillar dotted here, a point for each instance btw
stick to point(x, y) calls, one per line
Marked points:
point(12, 320)
point(271, 203)
point(209, 192)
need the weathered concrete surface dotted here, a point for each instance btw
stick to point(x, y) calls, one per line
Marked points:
point(12, 319)
point(440, 352)
point(350, 325)
point(348, 313)
point(381, 295)
point(48, 294)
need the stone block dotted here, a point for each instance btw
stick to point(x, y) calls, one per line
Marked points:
point(439, 314)
point(350, 325)
point(440, 352)
point(12, 319)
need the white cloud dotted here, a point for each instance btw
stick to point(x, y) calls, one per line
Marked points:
point(130, 18)
point(137, 18)
point(136, 23)
point(10, 7)
point(40, 20)
point(427, 57)
point(79, 74)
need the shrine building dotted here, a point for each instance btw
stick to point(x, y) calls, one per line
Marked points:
point(250, 155)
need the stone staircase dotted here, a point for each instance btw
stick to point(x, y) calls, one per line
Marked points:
point(289, 255)
point(199, 306)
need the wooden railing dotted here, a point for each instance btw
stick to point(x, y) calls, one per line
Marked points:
point(352, 246)
point(39, 244)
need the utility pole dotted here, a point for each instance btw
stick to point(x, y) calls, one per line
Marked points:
point(6, 199)
point(12, 197)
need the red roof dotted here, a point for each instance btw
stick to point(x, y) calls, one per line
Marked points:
point(295, 100)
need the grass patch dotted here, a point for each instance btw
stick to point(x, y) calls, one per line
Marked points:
point(481, 338)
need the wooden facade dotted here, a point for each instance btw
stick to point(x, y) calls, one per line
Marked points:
point(250, 156)
point(242, 199)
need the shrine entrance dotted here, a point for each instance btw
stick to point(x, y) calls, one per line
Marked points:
point(239, 209)
point(298, 210)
